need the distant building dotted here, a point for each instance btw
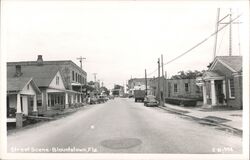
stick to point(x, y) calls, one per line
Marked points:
point(172, 88)
point(222, 83)
point(118, 90)
point(138, 84)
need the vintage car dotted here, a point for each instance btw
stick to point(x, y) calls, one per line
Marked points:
point(150, 101)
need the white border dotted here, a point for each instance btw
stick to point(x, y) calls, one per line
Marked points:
point(244, 156)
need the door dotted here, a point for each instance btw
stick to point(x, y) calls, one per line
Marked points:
point(8, 106)
point(219, 92)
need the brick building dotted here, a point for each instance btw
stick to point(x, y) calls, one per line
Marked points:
point(222, 83)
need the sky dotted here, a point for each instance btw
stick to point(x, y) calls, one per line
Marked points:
point(119, 39)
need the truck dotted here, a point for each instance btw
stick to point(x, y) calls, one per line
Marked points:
point(139, 95)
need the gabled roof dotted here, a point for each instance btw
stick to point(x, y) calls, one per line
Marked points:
point(233, 63)
point(42, 75)
point(54, 63)
point(18, 83)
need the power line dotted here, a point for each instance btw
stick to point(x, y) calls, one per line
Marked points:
point(199, 43)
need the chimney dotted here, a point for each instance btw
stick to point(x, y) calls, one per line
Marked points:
point(39, 60)
point(18, 71)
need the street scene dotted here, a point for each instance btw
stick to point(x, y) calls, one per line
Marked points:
point(122, 126)
point(144, 78)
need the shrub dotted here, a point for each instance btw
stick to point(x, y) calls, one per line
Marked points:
point(181, 101)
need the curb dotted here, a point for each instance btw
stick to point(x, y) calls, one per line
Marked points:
point(231, 129)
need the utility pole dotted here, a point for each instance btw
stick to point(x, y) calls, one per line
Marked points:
point(216, 29)
point(230, 29)
point(163, 81)
point(166, 91)
point(80, 59)
point(146, 82)
point(159, 72)
point(230, 32)
point(95, 76)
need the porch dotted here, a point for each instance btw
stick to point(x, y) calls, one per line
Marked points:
point(214, 89)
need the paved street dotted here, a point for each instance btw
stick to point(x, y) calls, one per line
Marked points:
point(123, 126)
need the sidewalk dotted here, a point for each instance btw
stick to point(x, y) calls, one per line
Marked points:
point(227, 118)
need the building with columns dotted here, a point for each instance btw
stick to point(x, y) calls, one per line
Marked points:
point(21, 93)
point(222, 83)
point(59, 82)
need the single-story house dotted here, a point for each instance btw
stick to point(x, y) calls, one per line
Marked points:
point(22, 92)
point(222, 83)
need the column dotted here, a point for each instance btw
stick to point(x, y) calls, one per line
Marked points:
point(224, 91)
point(66, 100)
point(213, 95)
point(80, 98)
point(72, 99)
point(35, 105)
point(49, 100)
point(19, 114)
point(204, 89)
point(18, 104)
point(46, 97)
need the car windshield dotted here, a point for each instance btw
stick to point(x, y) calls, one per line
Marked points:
point(151, 98)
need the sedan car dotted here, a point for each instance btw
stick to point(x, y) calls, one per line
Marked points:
point(150, 101)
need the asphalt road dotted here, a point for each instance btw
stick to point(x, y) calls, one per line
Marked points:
point(123, 126)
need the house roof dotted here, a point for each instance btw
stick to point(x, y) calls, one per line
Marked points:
point(54, 63)
point(234, 63)
point(42, 75)
point(18, 83)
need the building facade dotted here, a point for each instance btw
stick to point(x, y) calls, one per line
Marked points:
point(222, 83)
point(60, 82)
point(21, 91)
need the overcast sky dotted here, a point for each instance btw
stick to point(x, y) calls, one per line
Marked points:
point(118, 39)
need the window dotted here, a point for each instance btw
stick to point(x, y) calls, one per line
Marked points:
point(28, 86)
point(73, 75)
point(76, 77)
point(175, 87)
point(231, 88)
point(57, 80)
point(186, 87)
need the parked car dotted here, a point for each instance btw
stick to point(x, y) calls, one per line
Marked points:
point(150, 101)
point(111, 97)
point(101, 99)
point(93, 100)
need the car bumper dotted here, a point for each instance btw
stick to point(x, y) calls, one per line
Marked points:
point(151, 104)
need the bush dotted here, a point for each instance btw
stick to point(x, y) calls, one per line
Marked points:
point(181, 101)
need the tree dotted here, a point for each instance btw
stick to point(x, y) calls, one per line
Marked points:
point(188, 75)
point(105, 90)
point(91, 83)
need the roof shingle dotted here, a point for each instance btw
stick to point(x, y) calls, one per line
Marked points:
point(42, 75)
point(235, 62)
